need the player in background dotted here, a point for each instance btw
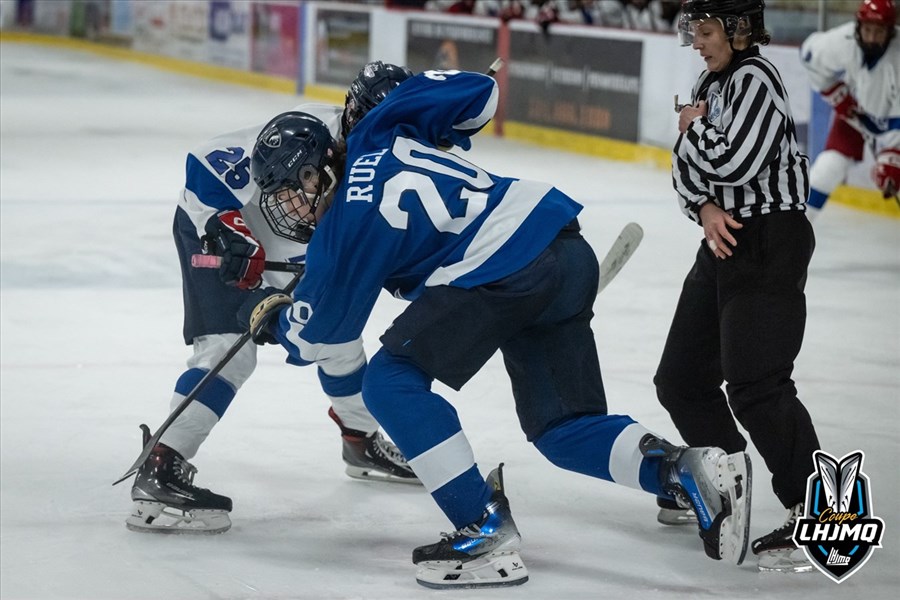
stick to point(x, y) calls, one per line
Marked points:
point(738, 172)
point(488, 263)
point(856, 69)
point(221, 203)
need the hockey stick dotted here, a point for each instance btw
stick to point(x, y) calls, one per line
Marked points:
point(621, 250)
point(495, 66)
point(211, 261)
point(618, 254)
point(235, 348)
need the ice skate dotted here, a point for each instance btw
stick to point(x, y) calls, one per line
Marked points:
point(673, 513)
point(373, 458)
point(167, 501)
point(483, 554)
point(717, 486)
point(777, 552)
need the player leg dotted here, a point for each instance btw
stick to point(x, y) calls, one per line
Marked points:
point(165, 497)
point(448, 334)
point(562, 408)
point(483, 549)
point(843, 147)
point(763, 320)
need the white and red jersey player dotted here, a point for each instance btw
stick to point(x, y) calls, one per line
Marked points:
point(856, 69)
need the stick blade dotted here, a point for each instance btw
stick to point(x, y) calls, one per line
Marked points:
point(621, 250)
point(149, 443)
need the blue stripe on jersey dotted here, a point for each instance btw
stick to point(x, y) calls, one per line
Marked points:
point(210, 189)
point(343, 385)
point(878, 126)
point(216, 395)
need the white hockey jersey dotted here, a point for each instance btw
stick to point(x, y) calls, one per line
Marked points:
point(833, 55)
point(218, 178)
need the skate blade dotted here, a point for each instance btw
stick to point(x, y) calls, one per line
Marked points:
point(369, 474)
point(676, 517)
point(155, 517)
point(500, 569)
point(791, 560)
point(734, 480)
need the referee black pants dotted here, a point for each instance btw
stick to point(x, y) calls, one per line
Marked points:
point(741, 321)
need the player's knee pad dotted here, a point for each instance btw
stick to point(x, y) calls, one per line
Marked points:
point(209, 350)
point(828, 171)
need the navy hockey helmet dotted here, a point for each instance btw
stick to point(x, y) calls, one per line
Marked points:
point(372, 85)
point(739, 18)
point(296, 164)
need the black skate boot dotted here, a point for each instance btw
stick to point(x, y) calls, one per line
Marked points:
point(777, 551)
point(167, 501)
point(716, 486)
point(483, 554)
point(673, 513)
point(371, 457)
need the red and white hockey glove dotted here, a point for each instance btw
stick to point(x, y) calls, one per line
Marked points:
point(886, 172)
point(243, 257)
point(841, 100)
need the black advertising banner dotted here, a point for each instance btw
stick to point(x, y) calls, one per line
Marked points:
point(446, 46)
point(342, 45)
point(582, 84)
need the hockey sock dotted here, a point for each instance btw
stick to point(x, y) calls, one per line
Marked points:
point(605, 447)
point(427, 431)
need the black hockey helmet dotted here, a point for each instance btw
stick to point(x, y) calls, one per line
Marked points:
point(372, 85)
point(738, 18)
point(296, 164)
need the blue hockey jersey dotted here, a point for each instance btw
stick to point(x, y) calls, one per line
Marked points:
point(409, 215)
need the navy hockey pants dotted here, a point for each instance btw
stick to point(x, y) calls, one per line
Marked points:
point(538, 317)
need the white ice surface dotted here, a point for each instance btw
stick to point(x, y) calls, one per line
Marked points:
point(91, 161)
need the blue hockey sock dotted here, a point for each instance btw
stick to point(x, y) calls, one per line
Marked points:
point(427, 431)
point(464, 498)
point(605, 447)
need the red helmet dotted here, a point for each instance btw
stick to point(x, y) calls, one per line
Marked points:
point(882, 12)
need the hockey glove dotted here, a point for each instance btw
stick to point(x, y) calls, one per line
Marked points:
point(841, 100)
point(886, 172)
point(243, 257)
point(259, 313)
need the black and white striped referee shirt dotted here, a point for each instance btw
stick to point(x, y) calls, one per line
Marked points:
point(744, 154)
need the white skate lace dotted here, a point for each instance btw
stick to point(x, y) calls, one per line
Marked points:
point(472, 531)
point(794, 513)
point(185, 471)
point(388, 450)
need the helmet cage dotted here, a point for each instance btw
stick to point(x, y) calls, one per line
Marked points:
point(291, 212)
